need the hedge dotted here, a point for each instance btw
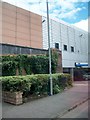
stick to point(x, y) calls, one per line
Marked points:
point(36, 64)
point(36, 84)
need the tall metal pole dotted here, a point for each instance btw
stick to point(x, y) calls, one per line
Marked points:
point(50, 72)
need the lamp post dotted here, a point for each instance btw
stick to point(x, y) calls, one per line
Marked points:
point(48, 30)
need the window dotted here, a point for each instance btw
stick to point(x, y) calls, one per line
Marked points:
point(65, 47)
point(72, 49)
point(57, 45)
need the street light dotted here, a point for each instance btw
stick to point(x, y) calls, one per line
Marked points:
point(48, 30)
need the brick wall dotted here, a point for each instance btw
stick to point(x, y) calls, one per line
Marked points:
point(21, 27)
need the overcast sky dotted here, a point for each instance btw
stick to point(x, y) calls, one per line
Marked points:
point(71, 11)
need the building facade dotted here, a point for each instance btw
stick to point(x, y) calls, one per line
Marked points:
point(73, 42)
point(24, 28)
point(21, 27)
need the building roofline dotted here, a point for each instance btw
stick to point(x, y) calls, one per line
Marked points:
point(69, 25)
point(20, 8)
point(54, 19)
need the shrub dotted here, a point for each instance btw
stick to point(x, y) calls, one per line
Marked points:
point(9, 68)
point(56, 89)
point(39, 64)
point(31, 64)
point(35, 84)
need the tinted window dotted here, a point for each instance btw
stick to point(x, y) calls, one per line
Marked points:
point(72, 49)
point(57, 45)
point(65, 47)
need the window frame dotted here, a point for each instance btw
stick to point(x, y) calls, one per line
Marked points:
point(65, 47)
point(57, 46)
point(72, 49)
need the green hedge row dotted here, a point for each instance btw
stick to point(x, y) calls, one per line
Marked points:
point(36, 84)
point(30, 64)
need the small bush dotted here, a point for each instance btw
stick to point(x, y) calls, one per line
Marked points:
point(36, 84)
point(9, 68)
point(36, 64)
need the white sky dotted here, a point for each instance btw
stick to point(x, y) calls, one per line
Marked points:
point(83, 24)
point(39, 7)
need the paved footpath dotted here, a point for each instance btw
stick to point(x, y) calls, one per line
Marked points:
point(49, 107)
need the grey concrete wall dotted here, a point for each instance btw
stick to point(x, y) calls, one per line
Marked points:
point(14, 49)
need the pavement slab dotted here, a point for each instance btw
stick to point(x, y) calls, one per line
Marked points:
point(48, 107)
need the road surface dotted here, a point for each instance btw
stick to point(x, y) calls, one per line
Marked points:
point(79, 112)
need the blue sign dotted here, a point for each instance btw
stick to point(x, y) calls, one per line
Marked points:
point(81, 64)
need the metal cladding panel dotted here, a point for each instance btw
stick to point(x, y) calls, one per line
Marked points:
point(9, 13)
point(35, 21)
point(19, 26)
point(8, 26)
point(68, 60)
point(89, 49)
point(22, 23)
point(71, 36)
point(45, 34)
point(81, 41)
point(8, 6)
point(23, 30)
point(64, 31)
point(84, 42)
point(8, 19)
point(23, 42)
point(8, 39)
point(22, 11)
point(23, 36)
point(23, 17)
point(77, 42)
point(36, 27)
point(9, 33)
point(65, 63)
point(55, 33)
point(36, 33)
point(66, 35)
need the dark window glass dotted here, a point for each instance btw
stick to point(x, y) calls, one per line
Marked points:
point(72, 49)
point(57, 45)
point(65, 47)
